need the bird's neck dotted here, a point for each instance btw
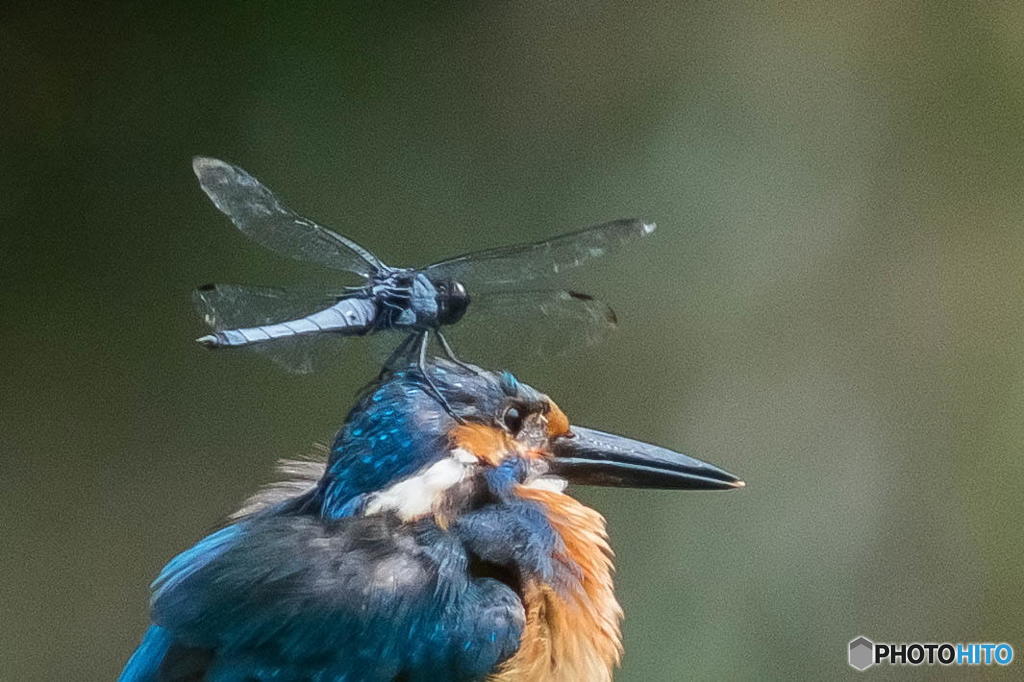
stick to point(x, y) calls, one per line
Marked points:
point(575, 634)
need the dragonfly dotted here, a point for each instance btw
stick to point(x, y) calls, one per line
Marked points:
point(415, 302)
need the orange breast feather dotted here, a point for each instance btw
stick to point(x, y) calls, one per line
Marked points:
point(570, 637)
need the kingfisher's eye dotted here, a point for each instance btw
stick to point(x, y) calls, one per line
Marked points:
point(513, 419)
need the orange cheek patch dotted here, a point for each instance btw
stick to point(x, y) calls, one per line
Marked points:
point(487, 443)
point(558, 423)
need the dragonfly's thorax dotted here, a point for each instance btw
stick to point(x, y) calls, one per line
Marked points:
point(406, 299)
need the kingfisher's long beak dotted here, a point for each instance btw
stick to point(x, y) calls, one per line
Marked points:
point(592, 457)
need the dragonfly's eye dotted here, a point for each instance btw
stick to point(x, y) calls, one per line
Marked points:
point(452, 301)
point(513, 420)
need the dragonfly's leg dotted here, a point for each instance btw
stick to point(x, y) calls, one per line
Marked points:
point(389, 364)
point(422, 364)
point(451, 354)
point(397, 293)
point(399, 353)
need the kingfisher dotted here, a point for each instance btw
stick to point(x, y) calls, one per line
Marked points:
point(425, 546)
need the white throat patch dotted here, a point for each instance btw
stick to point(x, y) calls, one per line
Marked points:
point(552, 484)
point(417, 495)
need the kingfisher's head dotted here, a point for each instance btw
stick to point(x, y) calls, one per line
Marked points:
point(400, 451)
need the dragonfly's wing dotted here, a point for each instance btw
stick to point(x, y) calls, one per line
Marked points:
point(510, 265)
point(507, 327)
point(503, 328)
point(234, 306)
point(259, 214)
point(230, 306)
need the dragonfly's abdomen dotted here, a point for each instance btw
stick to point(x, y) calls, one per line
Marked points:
point(349, 316)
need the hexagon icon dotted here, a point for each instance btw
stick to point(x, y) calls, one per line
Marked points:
point(862, 653)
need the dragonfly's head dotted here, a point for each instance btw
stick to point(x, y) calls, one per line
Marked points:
point(402, 452)
point(452, 300)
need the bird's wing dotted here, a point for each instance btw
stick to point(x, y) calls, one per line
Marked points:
point(286, 596)
point(144, 665)
point(159, 657)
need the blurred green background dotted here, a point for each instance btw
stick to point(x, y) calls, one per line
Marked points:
point(831, 306)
